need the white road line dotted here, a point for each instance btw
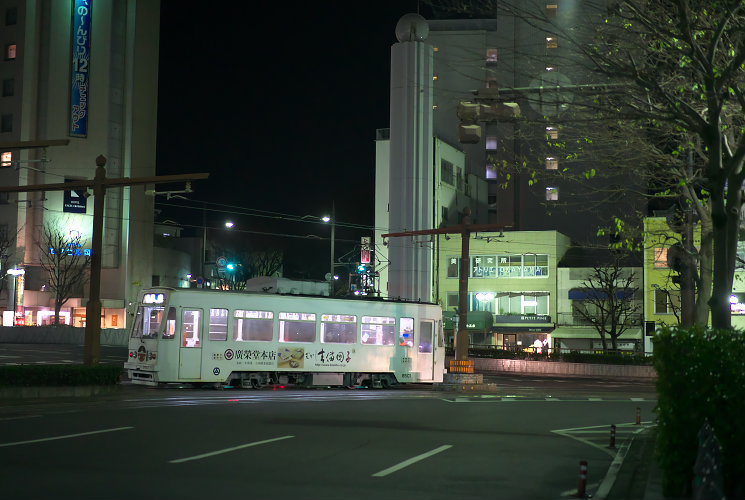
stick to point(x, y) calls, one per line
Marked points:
point(67, 436)
point(412, 460)
point(19, 417)
point(228, 450)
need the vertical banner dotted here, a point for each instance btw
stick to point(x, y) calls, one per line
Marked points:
point(365, 256)
point(81, 56)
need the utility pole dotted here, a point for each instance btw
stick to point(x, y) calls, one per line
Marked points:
point(92, 350)
point(464, 229)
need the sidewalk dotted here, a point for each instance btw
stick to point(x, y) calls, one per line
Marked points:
point(639, 477)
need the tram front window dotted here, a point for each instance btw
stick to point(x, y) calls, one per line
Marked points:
point(147, 322)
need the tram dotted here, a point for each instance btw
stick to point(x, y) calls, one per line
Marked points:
point(254, 339)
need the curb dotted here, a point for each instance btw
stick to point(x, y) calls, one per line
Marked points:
point(46, 392)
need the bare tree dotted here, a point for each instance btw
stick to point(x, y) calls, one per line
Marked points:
point(62, 257)
point(7, 244)
point(610, 305)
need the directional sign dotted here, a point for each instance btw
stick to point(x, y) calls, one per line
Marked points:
point(75, 201)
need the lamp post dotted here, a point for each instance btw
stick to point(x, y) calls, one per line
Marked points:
point(332, 220)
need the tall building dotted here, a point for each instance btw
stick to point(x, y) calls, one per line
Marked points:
point(85, 71)
point(432, 163)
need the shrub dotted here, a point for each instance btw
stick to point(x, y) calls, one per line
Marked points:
point(701, 375)
point(59, 375)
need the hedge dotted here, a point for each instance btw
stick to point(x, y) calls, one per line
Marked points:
point(59, 375)
point(700, 375)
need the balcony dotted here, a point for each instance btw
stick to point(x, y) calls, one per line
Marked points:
point(571, 319)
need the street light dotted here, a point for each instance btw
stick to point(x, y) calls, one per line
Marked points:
point(333, 228)
point(229, 224)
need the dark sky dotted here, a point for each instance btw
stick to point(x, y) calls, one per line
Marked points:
point(279, 103)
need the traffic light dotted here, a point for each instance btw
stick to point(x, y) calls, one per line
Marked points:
point(362, 268)
point(230, 266)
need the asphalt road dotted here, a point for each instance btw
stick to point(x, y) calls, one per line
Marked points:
point(523, 441)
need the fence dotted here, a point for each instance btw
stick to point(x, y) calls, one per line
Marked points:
point(59, 335)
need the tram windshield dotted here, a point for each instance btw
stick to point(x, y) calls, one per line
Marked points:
point(147, 322)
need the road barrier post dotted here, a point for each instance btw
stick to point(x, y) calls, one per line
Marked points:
point(638, 416)
point(612, 436)
point(581, 489)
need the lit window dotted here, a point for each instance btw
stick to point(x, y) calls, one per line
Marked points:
point(552, 194)
point(491, 171)
point(552, 132)
point(551, 10)
point(660, 258)
point(190, 321)
point(378, 330)
point(338, 329)
point(552, 42)
point(10, 51)
point(435, 77)
point(406, 332)
point(218, 324)
point(492, 55)
point(491, 143)
point(436, 49)
point(552, 68)
point(552, 163)
point(6, 159)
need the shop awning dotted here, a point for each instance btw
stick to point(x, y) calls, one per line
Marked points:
point(478, 321)
point(589, 293)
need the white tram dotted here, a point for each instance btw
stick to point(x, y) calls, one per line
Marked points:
point(251, 339)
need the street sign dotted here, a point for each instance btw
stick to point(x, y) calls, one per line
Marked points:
point(222, 261)
point(75, 201)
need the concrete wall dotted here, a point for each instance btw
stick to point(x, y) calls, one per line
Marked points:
point(562, 369)
point(59, 335)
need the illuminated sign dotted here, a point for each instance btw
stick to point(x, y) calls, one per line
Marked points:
point(154, 298)
point(81, 56)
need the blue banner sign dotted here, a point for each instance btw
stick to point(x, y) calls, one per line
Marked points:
point(81, 56)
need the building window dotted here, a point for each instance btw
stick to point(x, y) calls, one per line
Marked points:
point(552, 132)
point(551, 10)
point(445, 213)
point(660, 258)
point(453, 299)
point(491, 143)
point(7, 123)
point(446, 172)
point(552, 163)
point(4, 231)
point(4, 200)
point(552, 194)
point(10, 51)
point(453, 267)
point(11, 16)
point(552, 68)
point(6, 159)
point(666, 301)
point(492, 203)
point(9, 87)
point(484, 266)
point(552, 42)
point(491, 171)
point(524, 303)
point(492, 55)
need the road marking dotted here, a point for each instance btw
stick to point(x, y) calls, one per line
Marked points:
point(228, 450)
point(412, 460)
point(19, 417)
point(67, 436)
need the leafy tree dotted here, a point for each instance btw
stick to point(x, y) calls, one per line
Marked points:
point(669, 67)
point(611, 305)
point(62, 258)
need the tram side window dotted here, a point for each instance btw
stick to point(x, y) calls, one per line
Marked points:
point(297, 327)
point(191, 322)
point(218, 324)
point(253, 326)
point(147, 322)
point(170, 331)
point(338, 329)
point(378, 330)
point(425, 336)
point(406, 332)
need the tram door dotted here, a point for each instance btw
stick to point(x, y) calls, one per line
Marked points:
point(425, 354)
point(190, 351)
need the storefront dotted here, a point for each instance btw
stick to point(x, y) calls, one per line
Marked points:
point(479, 327)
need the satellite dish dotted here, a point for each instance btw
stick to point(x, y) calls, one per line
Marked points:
point(412, 28)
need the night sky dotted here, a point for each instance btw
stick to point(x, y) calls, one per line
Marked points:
point(279, 103)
